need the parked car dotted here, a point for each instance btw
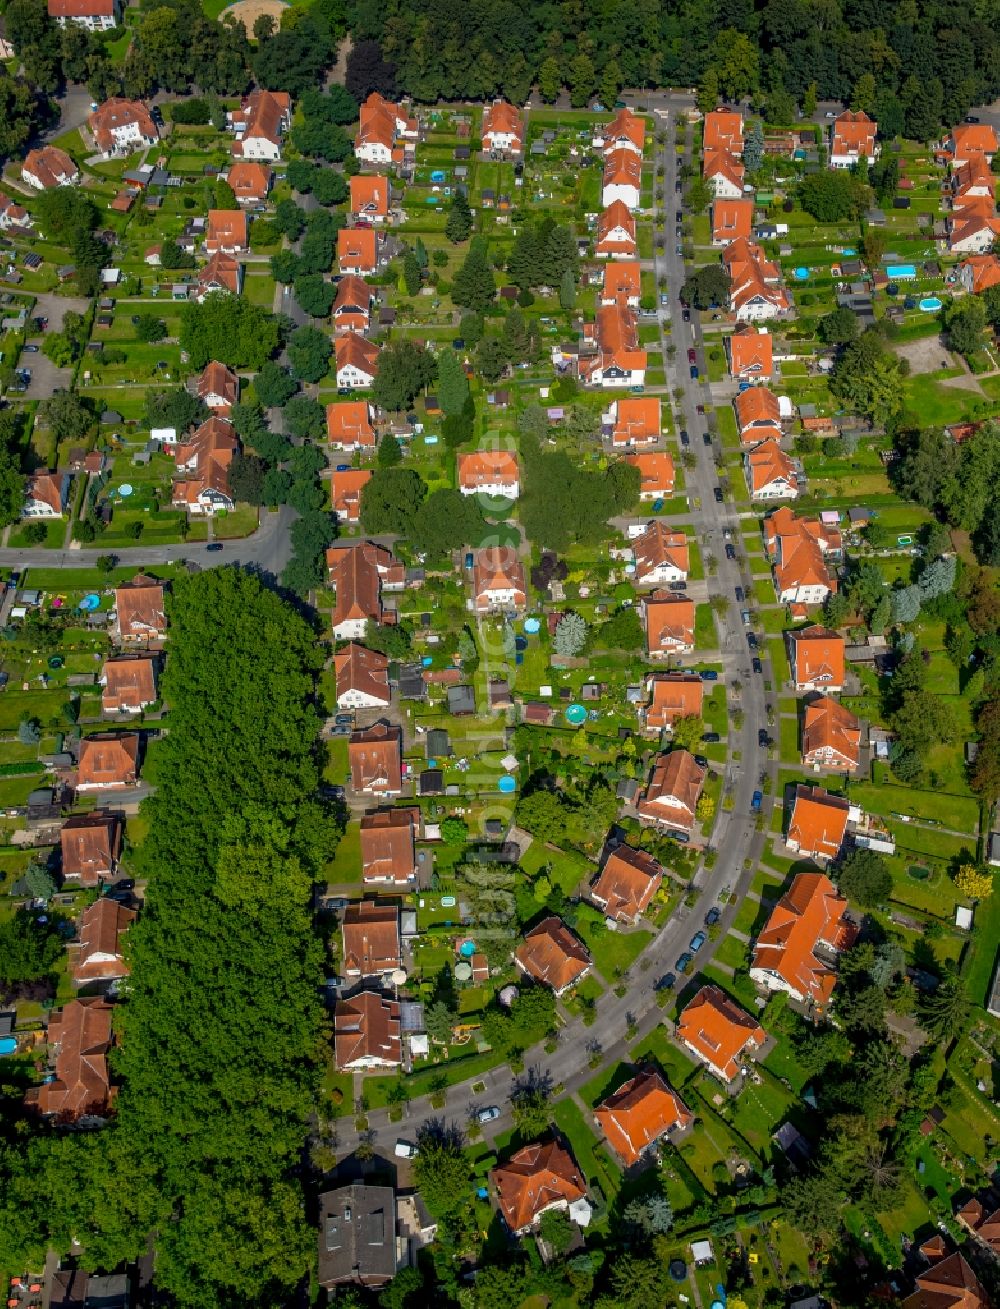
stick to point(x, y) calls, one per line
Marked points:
point(678, 586)
point(692, 356)
point(717, 492)
point(344, 718)
point(406, 1150)
point(685, 439)
point(488, 1114)
point(214, 547)
point(756, 802)
point(711, 738)
point(684, 962)
point(739, 594)
point(745, 617)
point(971, 118)
point(686, 315)
point(681, 837)
point(679, 216)
point(751, 641)
point(706, 438)
point(677, 248)
point(664, 300)
point(694, 372)
point(667, 982)
point(758, 667)
point(763, 739)
point(713, 916)
point(31, 349)
point(696, 942)
point(709, 675)
point(730, 552)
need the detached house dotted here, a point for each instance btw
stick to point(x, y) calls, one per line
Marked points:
point(619, 360)
point(626, 884)
point(218, 387)
point(626, 131)
point(831, 736)
point(12, 215)
point(250, 181)
point(758, 415)
point(99, 958)
point(751, 357)
point(798, 549)
point(109, 761)
point(498, 580)
point(222, 275)
point(366, 1033)
point(550, 953)
point(770, 473)
point(973, 228)
point(349, 425)
point(49, 167)
point(352, 307)
point(120, 126)
point(669, 623)
point(358, 574)
point(129, 684)
point(80, 1035)
point(718, 1032)
point(369, 199)
point(93, 15)
point(672, 696)
point(724, 174)
point(755, 294)
point(370, 933)
point(388, 846)
point(662, 555)
point(656, 474)
point(537, 1179)
point(852, 138)
point(948, 1284)
point(723, 130)
point(489, 472)
point(382, 125)
point(91, 846)
point(357, 361)
point(818, 823)
point(640, 1114)
point(615, 238)
point(671, 795)
point(260, 124)
point(503, 129)
point(226, 232)
point(375, 756)
point(817, 659)
point(362, 678)
point(969, 139)
point(46, 495)
point(206, 459)
point(796, 952)
point(978, 273)
point(633, 420)
point(622, 179)
point(358, 250)
point(140, 614)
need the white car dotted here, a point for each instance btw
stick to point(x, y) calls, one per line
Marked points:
point(406, 1150)
point(488, 1114)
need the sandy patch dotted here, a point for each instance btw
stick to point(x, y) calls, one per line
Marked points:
point(928, 355)
point(248, 11)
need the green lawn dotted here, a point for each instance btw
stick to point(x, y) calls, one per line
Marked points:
point(705, 637)
point(593, 1158)
point(614, 952)
point(345, 866)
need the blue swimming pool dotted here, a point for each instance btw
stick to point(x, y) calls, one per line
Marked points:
point(901, 272)
point(801, 274)
point(930, 304)
point(8, 1045)
point(576, 714)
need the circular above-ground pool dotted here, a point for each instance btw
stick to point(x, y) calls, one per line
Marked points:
point(90, 602)
point(125, 489)
point(8, 1045)
point(463, 972)
point(532, 625)
point(467, 949)
point(930, 304)
point(520, 643)
point(56, 661)
point(507, 785)
point(801, 274)
point(576, 714)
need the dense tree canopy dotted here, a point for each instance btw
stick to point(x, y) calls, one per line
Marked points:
point(228, 328)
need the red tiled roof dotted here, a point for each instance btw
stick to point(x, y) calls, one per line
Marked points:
point(375, 756)
point(265, 113)
point(669, 621)
point(501, 118)
point(622, 281)
point(218, 380)
point(536, 1178)
point(676, 777)
point(657, 547)
point(226, 227)
point(349, 423)
point(99, 958)
point(656, 472)
point(497, 568)
point(356, 573)
point(627, 883)
point(129, 683)
point(249, 179)
point(388, 852)
point(818, 657)
point(370, 195)
point(854, 133)
point(353, 349)
point(108, 759)
point(91, 845)
point(639, 1113)
point(358, 669)
point(552, 954)
point(222, 272)
point(366, 1030)
point(49, 164)
point(81, 8)
point(357, 247)
point(951, 1284)
point(623, 168)
point(480, 468)
point(82, 1031)
point(117, 113)
point(346, 486)
point(616, 216)
point(831, 735)
point(626, 126)
point(370, 934)
point(768, 466)
point(758, 404)
point(723, 131)
point(674, 696)
point(637, 418)
point(731, 219)
point(751, 353)
point(818, 822)
point(809, 914)
point(718, 1031)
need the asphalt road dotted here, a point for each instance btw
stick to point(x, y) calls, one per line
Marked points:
point(736, 842)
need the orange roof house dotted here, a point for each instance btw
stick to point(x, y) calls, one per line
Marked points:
point(349, 425)
point(831, 736)
point(982, 1222)
point(357, 250)
point(615, 237)
point(352, 306)
point(46, 495)
point(755, 292)
point(731, 219)
point(498, 580)
point(672, 696)
point(94, 15)
point(375, 756)
point(656, 474)
point(626, 131)
point(108, 761)
point(382, 124)
point(99, 956)
point(80, 1034)
point(817, 659)
point(818, 823)
point(669, 623)
point(129, 684)
point(751, 357)
point(671, 795)
point(662, 555)
point(770, 473)
point(634, 420)
point(503, 129)
point(758, 415)
point(260, 123)
point(978, 273)
point(622, 284)
point(346, 486)
point(639, 1114)
point(91, 845)
point(388, 850)
point(206, 457)
point(798, 548)
point(950, 1284)
point(620, 360)
point(626, 884)
point(369, 198)
point(222, 274)
point(359, 573)
point(852, 137)
point(489, 472)
point(797, 948)
point(622, 178)
point(973, 226)
point(370, 933)
point(718, 1032)
point(550, 953)
point(119, 126)
point(218, 387)
point(723, 131)
point(250, 181)
point(226, 232)
point(49, 167)
point(362, 678)
point(968, 139)
point(974, 178)
point(539, 1177)
point(357, 360)
point(724, 172)
point(366, 1032)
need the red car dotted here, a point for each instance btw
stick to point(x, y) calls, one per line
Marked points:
point(691, 356)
